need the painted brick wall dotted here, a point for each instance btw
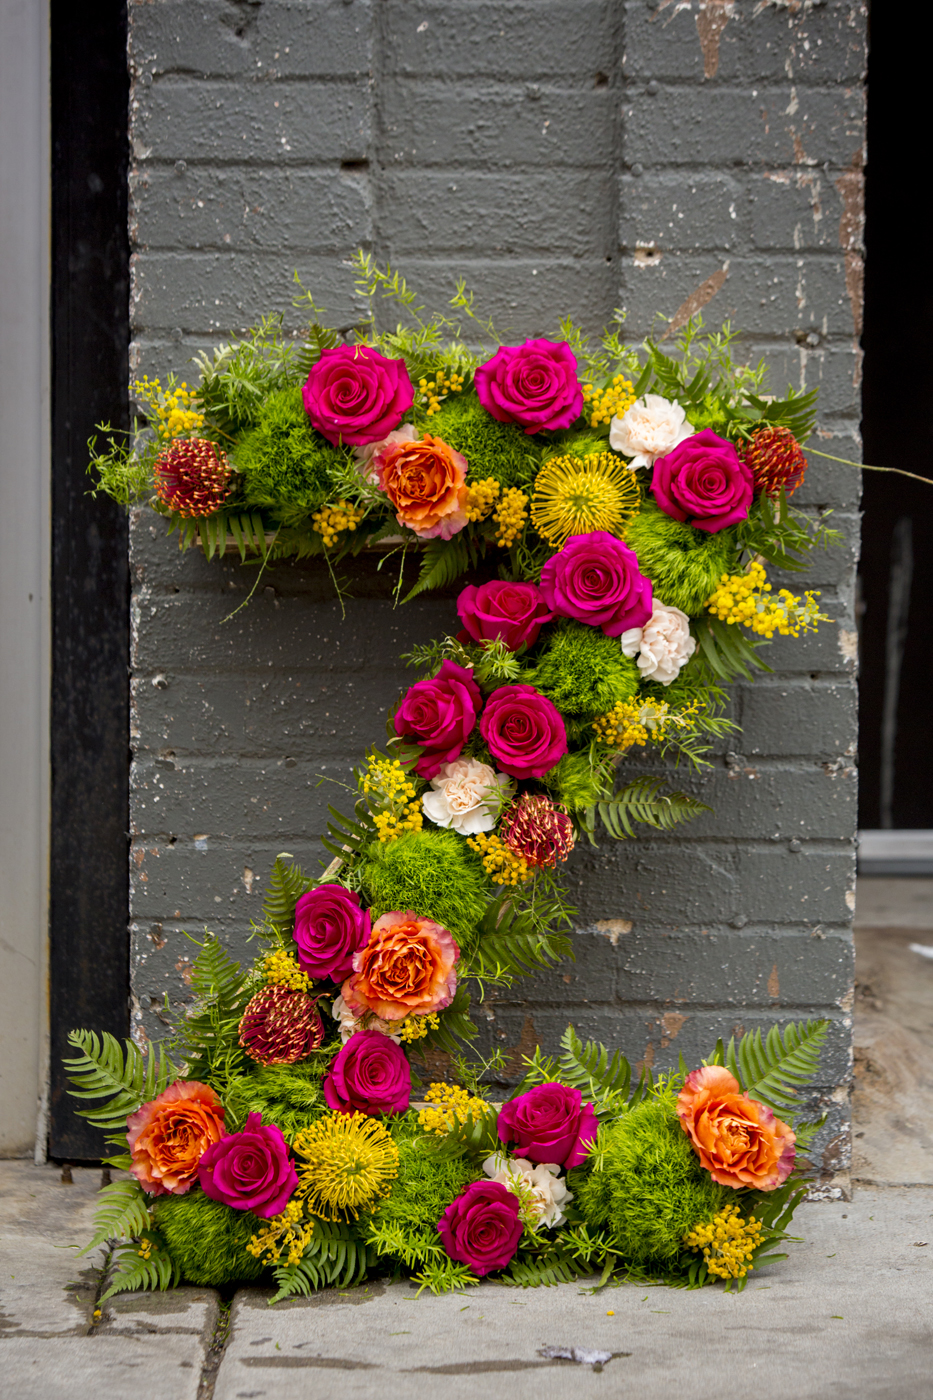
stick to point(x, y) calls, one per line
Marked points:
point(565, 156)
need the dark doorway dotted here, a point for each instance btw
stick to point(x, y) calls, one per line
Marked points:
point(896, 571)
point(90, 579)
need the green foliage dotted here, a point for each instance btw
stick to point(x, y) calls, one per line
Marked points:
point(336, 1257)
point(347, 838)
point(684, 565)
point(283, 460)
point(603, 1080)
point(725, 650)
point(123, 468)
point(581, 779)
point(403, 1227)
point(134, 1272)
point(783, 536)
point(287, 883)
point(444, 560)
point(454, 1029)
point(237, 378)
point(644, 1185)
point(206, 1036)
point(583, 671)
point(122, 1213)
point(207, 1240)
point(773, 1069)
point(641, 800)
point(288, 1095)
point(502, 451)
point(100, 1071)
point(433, 872)
point(509, 941)
point(553, 1265)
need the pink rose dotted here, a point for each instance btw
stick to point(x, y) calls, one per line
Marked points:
point(534, 385)
point(482, 1227)
point(355, 395)
point(371, 1075)
point(596, 579)
point(511, 612)
point(524, 731)
point(250, 1170)
point(703, 481)
point(439, 714)
point(550, 1123)
point(330, 926)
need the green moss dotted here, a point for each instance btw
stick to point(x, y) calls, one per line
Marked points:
point(289, 1095)
point(208, 1240)
point(283, 460)
point(500, 450)
point(651, 1188)
point(583, 671)
point(434, 873)
point(684, 564)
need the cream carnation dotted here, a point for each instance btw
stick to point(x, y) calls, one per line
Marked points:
point(662, 646)
point(466, 796)
point(540, 1189)
point(350, 1023)
point(649, 429)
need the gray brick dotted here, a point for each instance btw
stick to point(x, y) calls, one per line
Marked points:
point(282, 123)
point(800, 717)
point(683, 211)
point(210, 37)
point(796, 209)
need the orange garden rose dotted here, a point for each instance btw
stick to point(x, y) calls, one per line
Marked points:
point(406, 969)
point(739, 1141)
point(168, 1135)
point(426, 483)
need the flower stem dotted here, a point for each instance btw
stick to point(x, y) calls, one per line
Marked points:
point(864, 466)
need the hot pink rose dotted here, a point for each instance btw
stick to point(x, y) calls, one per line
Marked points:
point(550, 1123)
point(355, 395)
point(524, 731)
point(482, 1227)
point(370, 1075)
point(330, 926)
point(250, 1170)
point(440, 714)
point(596, 579)
point(703, 481)
point(534, 385)
point(511, 612)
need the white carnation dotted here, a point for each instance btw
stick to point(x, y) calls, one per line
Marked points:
point(662, 646)
point(465, 796)
point(539, 1187)
point(350, 1023)
point(649, 429)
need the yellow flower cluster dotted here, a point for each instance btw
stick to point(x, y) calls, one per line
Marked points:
point(511, 514)
point(449, 1105)
point(387, 785)
point(481, 497)
point(745, 598)
point(331, 521)
point(281, 969)
point(728, 1243)
point(436, 389)
point(416, 1027)
point(145, 1249)
point(289, 1231)
point(633, 722)
point(500, 862)
point(602, 405)
point(346, 1162)
point(574, 496)
point(172, 411)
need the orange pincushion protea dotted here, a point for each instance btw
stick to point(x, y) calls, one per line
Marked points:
point(168, 1136)
point(538, 831)
point(280, 1026)
point(775, 459)
point(192, 476)
point(738, 1140)
point(406, 969)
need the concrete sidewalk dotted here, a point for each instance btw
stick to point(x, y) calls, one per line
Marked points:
point(847, 1316)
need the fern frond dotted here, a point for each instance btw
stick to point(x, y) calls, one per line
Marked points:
point(509, 943)
point(207, 1036)
point(605, 1080)
point(641, 801)
point(287, 883)
point(444, 560)
point(101, 1071)
point(122, 1213)
point(546, 1272)
point(134, 1272)
point(335, 1258)
point(773, 1069)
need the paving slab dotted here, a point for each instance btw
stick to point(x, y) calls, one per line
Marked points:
point(846, 1316)
point(99, 1367)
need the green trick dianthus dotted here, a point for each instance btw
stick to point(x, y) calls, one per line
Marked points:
point(432, 872)
point(650, 1189)
point(426, 1184)
point(575, 782)
point(284, 462)
point(207, 1239)
point(288, 1095)
point(583, 671)
point(500, 450)
point(684, 564)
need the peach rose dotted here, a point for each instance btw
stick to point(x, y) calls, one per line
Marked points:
point(168, 1135)
point(739, 1141)
point(406, 969)
point(426, 483)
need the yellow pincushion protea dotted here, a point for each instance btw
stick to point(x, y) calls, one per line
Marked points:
point(346, 1162)
point(574, 496)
